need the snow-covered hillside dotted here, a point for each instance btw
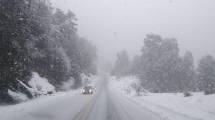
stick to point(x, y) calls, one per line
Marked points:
point(169, 105)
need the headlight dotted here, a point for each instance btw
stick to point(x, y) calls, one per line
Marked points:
point(83, 90)
point(90, 90)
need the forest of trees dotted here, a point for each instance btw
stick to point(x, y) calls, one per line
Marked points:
point(161, 68)
point(35, 37)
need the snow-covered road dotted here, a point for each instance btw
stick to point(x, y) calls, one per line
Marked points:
point(105, 104)
point(59, 107)
point(109, 106)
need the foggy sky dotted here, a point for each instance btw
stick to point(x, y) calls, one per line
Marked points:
point(114, 25)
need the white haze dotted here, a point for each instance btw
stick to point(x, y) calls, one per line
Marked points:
point(114, 25)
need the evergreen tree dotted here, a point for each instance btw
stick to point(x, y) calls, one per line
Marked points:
point(187, 73)
point(206, 74)
point(159, 63)
point(122, 64)
point(15, 31)
point(33, 38)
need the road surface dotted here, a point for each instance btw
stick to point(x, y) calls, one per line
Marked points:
point(107, 105)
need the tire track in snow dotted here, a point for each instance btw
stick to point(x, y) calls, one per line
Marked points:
point(86, 110)
point(112, 113)
point(130, 111)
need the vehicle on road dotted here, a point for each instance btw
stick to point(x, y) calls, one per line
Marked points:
point(87, 90)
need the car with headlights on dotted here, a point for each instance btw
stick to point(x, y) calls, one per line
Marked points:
point(87, 90)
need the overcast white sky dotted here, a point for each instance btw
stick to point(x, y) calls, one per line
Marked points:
point(113, 25)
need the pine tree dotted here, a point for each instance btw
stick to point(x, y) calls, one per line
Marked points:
point(15, 31)
point(122, 64)
point(206, 74)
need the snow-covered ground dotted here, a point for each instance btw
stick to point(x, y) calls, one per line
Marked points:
point(56, 106)
point(26, 110)
point(168, 105)
point(117, 101)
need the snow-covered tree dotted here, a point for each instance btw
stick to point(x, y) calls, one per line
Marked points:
point(80, 55)
point(16, 30)
point(87, 56)
point(34, 38)
point(159, 62)
point(186, 73)
point(135, 66)
point(122, 64)
point(206, 74)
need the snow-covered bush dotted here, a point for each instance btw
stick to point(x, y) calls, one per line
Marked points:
point(40, 85)
point(138, 88)
point(68, 84)
point(130, 84)
point(17, 96)
point(187, 94)
point(208, 92)
point(37, 86)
